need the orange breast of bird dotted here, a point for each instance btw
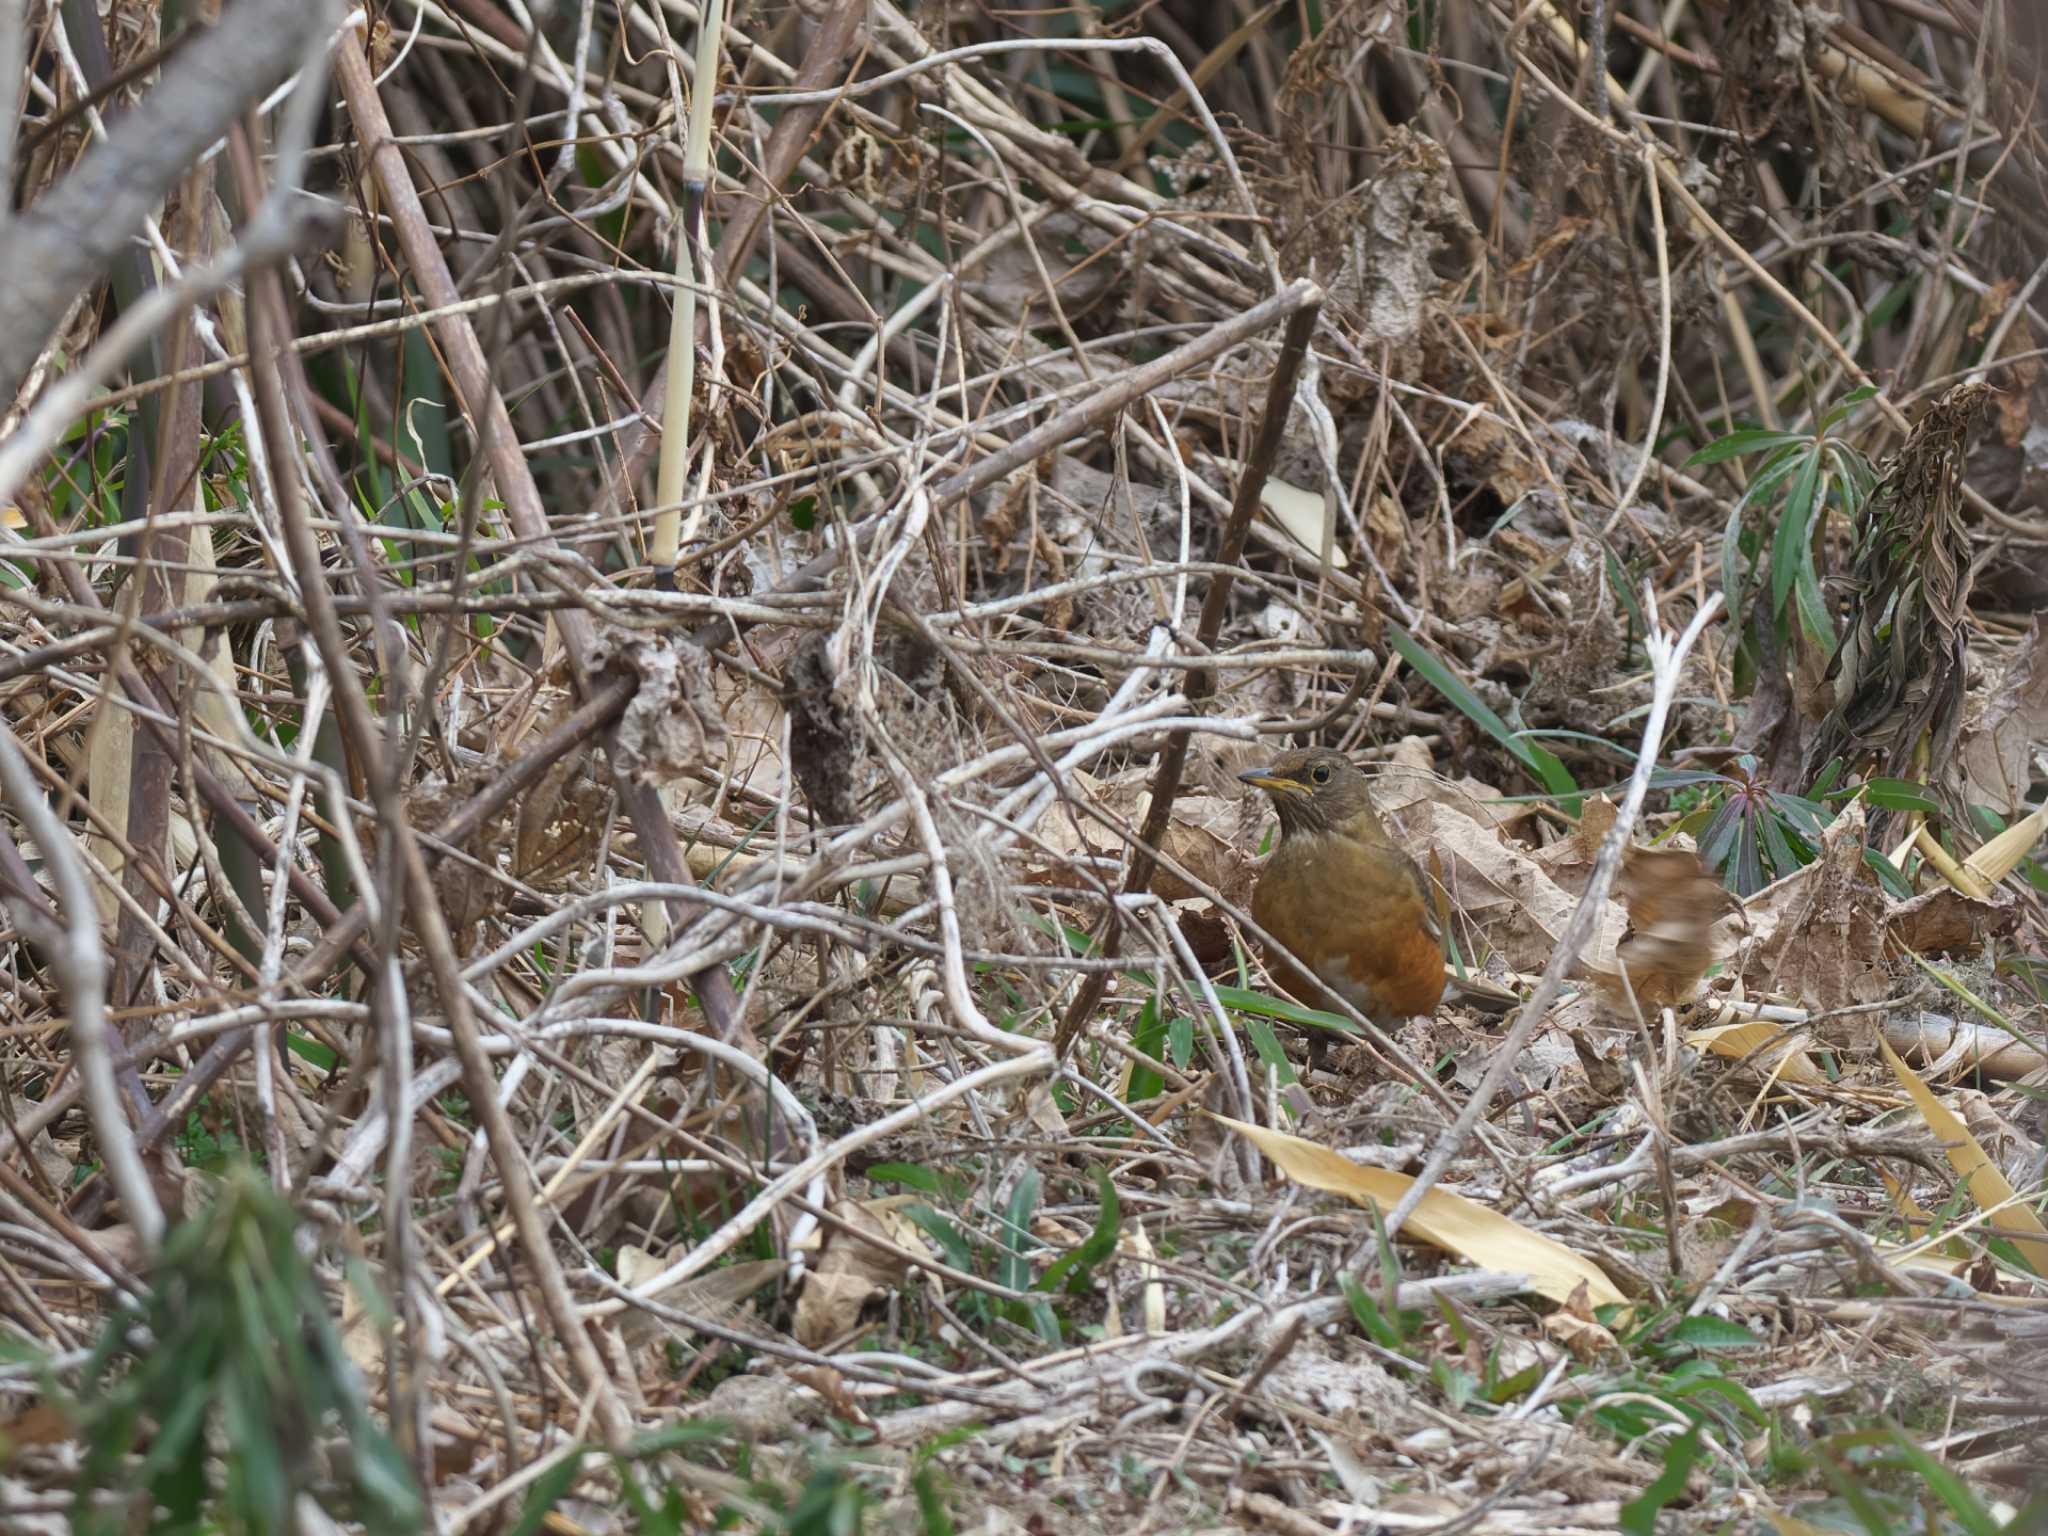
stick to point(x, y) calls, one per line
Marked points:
point(1356, 913)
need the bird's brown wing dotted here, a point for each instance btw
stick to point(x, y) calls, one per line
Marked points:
point(1355, 912)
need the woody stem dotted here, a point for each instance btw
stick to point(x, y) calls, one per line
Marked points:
point(1166, 776)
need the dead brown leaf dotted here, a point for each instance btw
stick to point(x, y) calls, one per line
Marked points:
point(1569, 860)
point(720, 1296)
point(1411, 216)
point(1586, 1339)
point(1818, 934)
point(1944, 919)
point(1826, 934)
point(1673, 905)
point(1387, 526)
point(2003, 724)
point(672, 726)
point(1409, 775)
point(853, 1273)
point(1898, 675)
point(1499, 889)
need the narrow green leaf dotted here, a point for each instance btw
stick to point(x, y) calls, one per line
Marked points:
point(1749, 866)
point(1900, 795)
point(1777, 847)
point(1705, 1332)
point(1266, 1045)
point(1970, 1513)
point(1736, 444)
point(548, 1491)
point(931, 1503)
point(681, 1435)
point(1080, 1262)
point(1259, 1005)
point(1368, 1315)
point(941, 1231)
point(925, 1181)
point(1889, 875)
point(1773, 473)
point(1813, 607)
point(1639, 1515)
point(1508, 1388)
point(1544, 768)
point(1733, 587)
point(1148, 1034)
point(1014, 1269)
point(1624, 591)
point(1810, 817)
point(1794, 520)
point(1704, 1378)
point(1717, 842)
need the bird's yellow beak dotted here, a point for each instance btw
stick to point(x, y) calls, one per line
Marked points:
point(1272, 783)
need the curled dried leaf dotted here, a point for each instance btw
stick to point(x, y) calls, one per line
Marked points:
point(1673, 904)
point(672, 727)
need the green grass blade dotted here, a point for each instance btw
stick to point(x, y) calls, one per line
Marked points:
point(1540, 765)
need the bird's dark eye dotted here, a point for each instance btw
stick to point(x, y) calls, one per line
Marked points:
point(1320, 773)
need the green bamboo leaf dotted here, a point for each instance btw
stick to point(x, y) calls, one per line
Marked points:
point(1888, 875)
point(1639, 1515)
point(1744, 440)
point(1014, 1270)
point(1969, 1511)
point(1793, 522)
point(1259, 1005)
point(1369, 1317)
point(941, 1231)
point(1705, 1332)
point(1900, 795)
point(1081, 1260)
point(1149, 1036)
point(1541, 766)
point(1266, 1045)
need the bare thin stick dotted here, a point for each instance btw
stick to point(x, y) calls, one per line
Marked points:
point(76, 955)
point(523, 507)
point(1667, 662)
point(1174, 755)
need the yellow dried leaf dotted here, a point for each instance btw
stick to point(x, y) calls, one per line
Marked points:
point(1132, 1240)
point(2001, 856)
point(1917, 1219)
point(1749, 1037)
point(1987, 1186)
point(1451, 1222)
point(1301, 513)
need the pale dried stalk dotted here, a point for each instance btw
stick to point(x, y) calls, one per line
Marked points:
point(1667, 665)
point(76, 955)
